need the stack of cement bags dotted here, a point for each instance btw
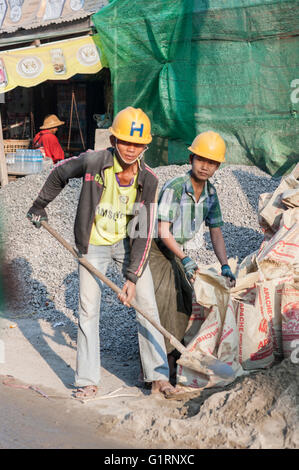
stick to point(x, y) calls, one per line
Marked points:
point(256, 323)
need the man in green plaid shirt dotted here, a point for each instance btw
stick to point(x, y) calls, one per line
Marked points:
point(184, 204)
point(178, 206)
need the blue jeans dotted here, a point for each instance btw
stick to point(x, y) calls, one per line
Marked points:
point(151, 342)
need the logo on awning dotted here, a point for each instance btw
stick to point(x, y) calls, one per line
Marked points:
point(30, 67)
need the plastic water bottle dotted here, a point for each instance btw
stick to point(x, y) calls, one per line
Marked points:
point(36, 162)
point(33, 161)
point(10, 158)
point(26, 161)
point(22, 157)
point(39, 161)
point(19, 160)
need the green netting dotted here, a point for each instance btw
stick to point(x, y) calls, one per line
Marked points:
point(194, 65)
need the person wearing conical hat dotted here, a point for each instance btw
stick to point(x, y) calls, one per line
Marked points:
point(47, 140)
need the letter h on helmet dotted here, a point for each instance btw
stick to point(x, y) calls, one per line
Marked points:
point(132, 125)
point(136, 129)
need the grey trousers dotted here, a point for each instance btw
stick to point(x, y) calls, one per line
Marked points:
point(151, 342)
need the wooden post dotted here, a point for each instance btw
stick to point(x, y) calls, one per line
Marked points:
point(3, 167)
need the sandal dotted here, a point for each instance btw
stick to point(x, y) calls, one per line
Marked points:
point(89, 391)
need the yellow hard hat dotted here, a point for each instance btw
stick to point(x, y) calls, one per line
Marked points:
point(209, 145)
point(132, 125)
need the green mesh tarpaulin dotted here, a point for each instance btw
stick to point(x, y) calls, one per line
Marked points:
point(191, 65)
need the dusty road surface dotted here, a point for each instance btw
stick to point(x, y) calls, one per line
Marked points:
point(28, 421)
point(257, 411)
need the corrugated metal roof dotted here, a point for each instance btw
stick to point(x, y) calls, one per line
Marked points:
point(31, 14)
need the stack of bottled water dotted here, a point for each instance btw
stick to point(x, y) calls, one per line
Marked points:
point(10, 158)
point(28, 161)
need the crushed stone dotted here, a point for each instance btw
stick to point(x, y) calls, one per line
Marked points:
point(256, 411)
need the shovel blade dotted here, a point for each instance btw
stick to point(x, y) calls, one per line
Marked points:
point(206, 365)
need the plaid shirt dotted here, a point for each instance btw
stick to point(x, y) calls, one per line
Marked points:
point(177, 205)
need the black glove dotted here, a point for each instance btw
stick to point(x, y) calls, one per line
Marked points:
point(36, 215)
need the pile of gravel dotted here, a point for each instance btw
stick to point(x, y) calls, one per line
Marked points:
point(238, 188)
point(47, 273)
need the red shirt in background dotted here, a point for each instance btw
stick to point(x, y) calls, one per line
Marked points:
point(50, 143)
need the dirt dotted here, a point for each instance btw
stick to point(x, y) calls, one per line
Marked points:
point(258, 411)
point(28, 421)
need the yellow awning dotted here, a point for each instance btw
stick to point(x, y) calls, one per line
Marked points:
point(61, 60)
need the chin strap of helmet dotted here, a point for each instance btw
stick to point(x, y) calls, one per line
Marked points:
point(138, 159)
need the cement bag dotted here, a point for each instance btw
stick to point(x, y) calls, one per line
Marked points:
point(272, 208)
point(228, 343)
point(278, 256)
point(215, 340)
point(217, 335)
point(196, 319)
point(269, 297)
point(255, 346)
point(290, 317)
point(205, 340)
point(247, 266)
point(268, 231)
point(255, 349)
point(290, 198)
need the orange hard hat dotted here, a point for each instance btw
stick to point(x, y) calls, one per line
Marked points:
point(132, 125)
point(209, 145)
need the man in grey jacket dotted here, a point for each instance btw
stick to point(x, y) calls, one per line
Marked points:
point(114, 221)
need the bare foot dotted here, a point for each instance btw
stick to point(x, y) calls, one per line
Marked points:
point(89, 391)
point(162, 386)
point(183, 393)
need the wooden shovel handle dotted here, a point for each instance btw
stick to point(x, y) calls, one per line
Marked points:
point(112, 286)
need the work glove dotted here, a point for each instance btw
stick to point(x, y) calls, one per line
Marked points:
point(36, 215)
point(226, 272)
point(189, 267)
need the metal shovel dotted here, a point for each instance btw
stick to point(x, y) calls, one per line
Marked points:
point(193, 360)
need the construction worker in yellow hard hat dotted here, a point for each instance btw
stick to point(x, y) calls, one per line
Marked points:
point(209, 145)
point(132, 127)
point(118, 187)
point(184, 204)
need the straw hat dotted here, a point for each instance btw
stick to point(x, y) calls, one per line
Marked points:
point(51, 121)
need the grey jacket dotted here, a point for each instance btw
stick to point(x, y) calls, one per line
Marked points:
point(90, 167)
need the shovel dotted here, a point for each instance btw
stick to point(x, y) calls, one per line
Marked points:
point(194, 360)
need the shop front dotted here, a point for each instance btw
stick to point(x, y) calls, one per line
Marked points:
point(77, 101)
point(65, 78)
